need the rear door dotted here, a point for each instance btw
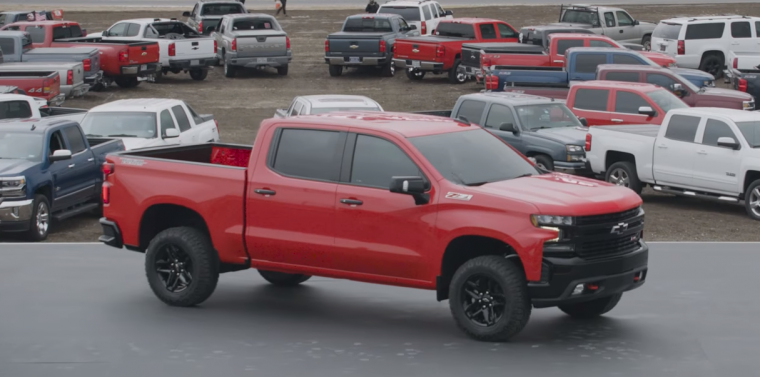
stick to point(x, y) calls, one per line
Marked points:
point(188, 133)
point(62, 173)
point(718, 167)
point(82, 166)
point(625, 109)
point(592, 105)
point(674, 154)
point(741, 37)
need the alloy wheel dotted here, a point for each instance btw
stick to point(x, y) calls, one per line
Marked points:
point(43, 219)
point(754, 201)
point(483, 300)
point(173, 267)
point(620, 177)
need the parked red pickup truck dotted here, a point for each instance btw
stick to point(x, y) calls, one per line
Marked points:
point(442, 52)
point(42, 84)
point(389, 198)
point(124, 62)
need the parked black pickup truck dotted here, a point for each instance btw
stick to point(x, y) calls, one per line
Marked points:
point(366, 40)
point(743, 72)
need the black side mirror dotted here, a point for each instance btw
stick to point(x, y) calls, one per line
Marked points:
point(414, 186)
point(635, 22)
point(104, 33)
point(448, 13)
point(583, 121)
point(509, 127)
point(412, 27)
point(185, 14)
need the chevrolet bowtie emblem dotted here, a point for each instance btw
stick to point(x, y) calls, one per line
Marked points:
point(354, 46)
point(415, 51)
point(144, 53)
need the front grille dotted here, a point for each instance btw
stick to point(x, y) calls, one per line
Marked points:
point(607, 217)
point(608, 246)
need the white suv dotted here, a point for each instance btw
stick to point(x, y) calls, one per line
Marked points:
point(704, 42)
point(424, 14)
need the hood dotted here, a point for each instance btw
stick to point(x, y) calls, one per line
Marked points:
point(565, 195)
point(135, 143)
point(656, 56)
point(565, 135)
point(693, 73)
point(727, 93)
point(9, 167)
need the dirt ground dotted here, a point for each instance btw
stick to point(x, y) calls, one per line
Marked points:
point(241, 103)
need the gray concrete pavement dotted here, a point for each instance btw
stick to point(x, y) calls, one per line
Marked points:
point(86, 311)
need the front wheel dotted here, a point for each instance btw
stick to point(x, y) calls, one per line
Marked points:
point(752, 200)
point(544, 162)
point(488, 298)
point(283, 279)
point(592, 309)
point(199, 74)
point(624, 174)
point(182, 266)
point(40, 221)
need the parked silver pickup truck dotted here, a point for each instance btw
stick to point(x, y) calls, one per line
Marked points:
point(326, 103)
point(71, 74)
point(252, 40)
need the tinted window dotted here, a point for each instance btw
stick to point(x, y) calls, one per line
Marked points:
point(587, 63)
point(368, 25)
point(667, 31)
point(581, 17)
point(8, 45)
point(60, 32)
point(426, 12)
point(624, 19)
point(75, 138)
point(36, 32)
point(487, 31)
point(705, 31)
point(757, 28)
point(182, 121)
point(297, 109)
point(255, 24)
point(133, 30)
point(564, 44)
point(221, 9)
point(15, 110)
point(433, 11)
point(441, 13)
point(741, 30)
point(600, 44)
point(166, 122)
point(471, 110)
point(409, 13)
point(118, 30)
point(591, 99)
point(197, 118)
point(622, 76)
point(625, 59)
point(499, 114)
point(309, 154)
point(75, 30)
point(609, 19)
point(505, 31)
point(661, 80)
point(628, 103)
point(450, 29)
point(682, 128)
point(377, 160)
point(715, 129)
point(56, 142)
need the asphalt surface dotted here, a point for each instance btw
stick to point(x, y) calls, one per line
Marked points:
point(86, 311)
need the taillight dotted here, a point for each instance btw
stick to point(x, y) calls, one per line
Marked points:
point(107, 168)
point(439, 51)
point(233, 45)
point(327, 45)
point(423, 28)
point(215, 46)
point(735, 64)
point(681, 48)
point(87, 64)
point(287, 43)
point(46, 86)
point(70, 77)
point(587, 144)
point(382, 45)
point(485, 61)
point(172, 49)
point(742, 87)
point(200, 27)
point(123, 56)
point(105, 193)
point(492, 82)
point(216, 126)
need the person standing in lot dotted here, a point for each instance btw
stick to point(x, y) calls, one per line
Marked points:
point(372, 7)
point(282, 8)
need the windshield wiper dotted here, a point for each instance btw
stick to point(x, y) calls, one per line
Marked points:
point(122, 135)
point(91, 135)
point(476, 183)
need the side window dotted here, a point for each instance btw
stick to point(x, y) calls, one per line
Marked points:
point(757, 29)
point(15, 110)
point(622, 76)
point(75, 31)
point(705, 31)
point(564, 44)
point(624, 19)
point(75, 138)
point(441, 13)
point(195, 11)
point(433, 11)
point(497, 115)
point(194, 114)
point(182, 121)
point(471, 110)
point(625, 59)
point(309, 154)
point(426, 12)
point(297, 109)
point(150, 32)
point(118, 30)
point(661, 80)
point(487, 31)
point(376, 161)
point(8, 45)
point(682, 128)
point(56, 142)
point(741, 29)
point(600, 44)
point(506, 31)
point(587, 63)
point(715, 129)
point(403, 26)
point(609, 19)
point(166, 122)
point(60, 32)
point(133, 30)
point(628, 103)
point(591, 99)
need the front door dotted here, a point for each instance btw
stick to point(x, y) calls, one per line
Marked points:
point(717, 169)
point(626, 109)
point(674, 154)
point(627, 33)
point(500, 114)
point(166, 122)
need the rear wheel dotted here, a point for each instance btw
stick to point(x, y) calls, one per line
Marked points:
point(647, 42)
point(712, 64)
point(198, 74)
point(229, 69)
point(456, 77)
point(414, 74)
point(127, 82)
point(389, 69)
point(591, 309)
point(624, 174)
point(336, 70)
point(282, 70)
point(283, 279)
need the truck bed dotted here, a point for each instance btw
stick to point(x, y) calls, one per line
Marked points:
point(231, 155)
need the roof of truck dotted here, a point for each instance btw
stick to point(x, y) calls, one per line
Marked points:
point(470, 20)
point(136, 104)
point(21, 125)
point(339, 100)
point(44, 23)
point(634, 67)
point(733, 114)
point(640, 86)
point(247, 15)
point(516, 98)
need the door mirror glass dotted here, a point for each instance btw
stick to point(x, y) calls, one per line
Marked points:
point(171, 133)
point(583, 121)
point(646, 110)
point(412, 27)
point(508, 127)
point(448, 13)
point(414, 186)
point(185, 14)
point(59, 155)
point(728, 142)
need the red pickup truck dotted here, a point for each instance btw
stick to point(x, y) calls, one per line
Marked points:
point(389, 198)
point(42, 84)
point(442, 52)
point(121, 61)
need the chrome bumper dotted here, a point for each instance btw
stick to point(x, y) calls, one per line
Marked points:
point(417, 64)
point(13, 213)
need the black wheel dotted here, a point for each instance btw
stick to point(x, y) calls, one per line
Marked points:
point(198, 74)
point(712, 64)
point(336, 70)
point(456, 77)
point(97, 87)
point(389, 70)
point(127, 82)
point(488, 298)
point(282, 70)
point(624, 174)
point(752, 200)
point(414, 74)
point(229, 69)
point(545, 162)
point(182, 266)
point(647, 42)
point(40, 221)
point(283, 279)
point(591, 309)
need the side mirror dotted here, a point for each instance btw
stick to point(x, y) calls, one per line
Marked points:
point(678, 90)
point(635, 22)
point(463, 119)
point(448, 13)
point(728, 142)
point(414, 186)
point(211, 29)
point(646, 110)
point(185, 14)
point(60, 155)
point(171, 133)
point(412, 27)
point(508, 127)
point(583, 121)
point(104, 33)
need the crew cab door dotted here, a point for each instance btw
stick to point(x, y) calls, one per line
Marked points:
point(675, 151)
point(627, 31)
point(82, 165)
point(625, 108)
point(188, 133)
point(378, 232)
point(591, 104)
point(717, 169)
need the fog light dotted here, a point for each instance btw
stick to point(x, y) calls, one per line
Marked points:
point(577, 290)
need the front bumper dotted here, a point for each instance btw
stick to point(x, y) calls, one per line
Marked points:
point(111, 234)
point(15, 215)
point(193, 63)
point(418, 65)
point(269, 61)
point(363, 60)
point(577, 168)
point(140, 70)
point(560, 276)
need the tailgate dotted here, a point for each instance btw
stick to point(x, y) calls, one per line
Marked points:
point(535, 77)
point(143, 52)
point(94, 63)
point(416, 50)
point(264, 43)
point(665, 38)
point(195, 48)
point(344, 44)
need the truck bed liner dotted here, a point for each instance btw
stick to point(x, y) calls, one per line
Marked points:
point(231, 155)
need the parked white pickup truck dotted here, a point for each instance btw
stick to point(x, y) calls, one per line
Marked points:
point(150, 122)
point(182, 49)
point(701, 152)
point(325, 103)
point(19, 106)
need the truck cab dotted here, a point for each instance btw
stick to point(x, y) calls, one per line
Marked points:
point(326, 103)
point(615, 23)
point(207, 14)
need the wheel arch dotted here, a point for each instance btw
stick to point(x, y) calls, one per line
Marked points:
point(159, 217)
point(613, 157)
point(749, 177)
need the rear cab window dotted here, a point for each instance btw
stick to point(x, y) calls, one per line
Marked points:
point(411, 14)
point(588, 17)
point(255, 24)
point(451, 29)
point(368, 25)
point(221, 9)
point(682, 128)
point(564, 44)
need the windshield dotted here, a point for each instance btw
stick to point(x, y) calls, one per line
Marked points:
point(21, 145)
point(322, 110)
point(221, 9)
point(539, 117)
point(141, 125)
point(581, 17)
point(666, 100)
point(410, 14)
point(667, 31)
point(751, 132)
point(450, 29)
point(472, 158)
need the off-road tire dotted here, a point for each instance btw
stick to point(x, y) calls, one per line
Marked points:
point(592, 309)
point(630, 171)
point(282, 279)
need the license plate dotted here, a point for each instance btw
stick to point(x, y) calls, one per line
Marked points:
point(143, 67)
point(353, 60)
point(195, 62)
point(261, 60)
point(662, 47)
point(415, 63)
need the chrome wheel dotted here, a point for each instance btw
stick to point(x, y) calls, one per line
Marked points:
point(754, 201)
point(393, 69)
point(619, 177)
point(461, 77)
point(483, 300)
point(173, 267)
point(43, 219)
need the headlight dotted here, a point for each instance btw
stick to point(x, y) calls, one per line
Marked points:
point(574, 148)
point(12, 186)
point(708, 83)
point(548, 220)
point(672, 65)
point(748, 105)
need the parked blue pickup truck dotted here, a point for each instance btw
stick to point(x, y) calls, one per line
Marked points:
point(580, 65)
point(48, 170)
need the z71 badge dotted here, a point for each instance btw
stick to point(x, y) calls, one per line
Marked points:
point(458, 196)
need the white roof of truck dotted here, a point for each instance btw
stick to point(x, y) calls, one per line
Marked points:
point(137, 105)
point(339, 100)
point(405, 3)
point(733, 114)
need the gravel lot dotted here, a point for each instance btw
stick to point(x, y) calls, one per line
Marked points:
point(240, 104)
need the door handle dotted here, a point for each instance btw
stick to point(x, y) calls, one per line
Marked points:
point(663, 146)
point(352, 202)
point(617, 120)
point(71, 166)
point(264, 192)
point(702, 152)
point(559, 61)
point(91, 159)
point(621, 31)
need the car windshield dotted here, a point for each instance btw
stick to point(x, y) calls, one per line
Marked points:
point(751, 132)
point(581, 17)
point(666, 100)
point(221, 9)
point(472, 158)
point(117, 124)
point(322, 110)
point(21, 145)
point(410, 14)
point(542, 116)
